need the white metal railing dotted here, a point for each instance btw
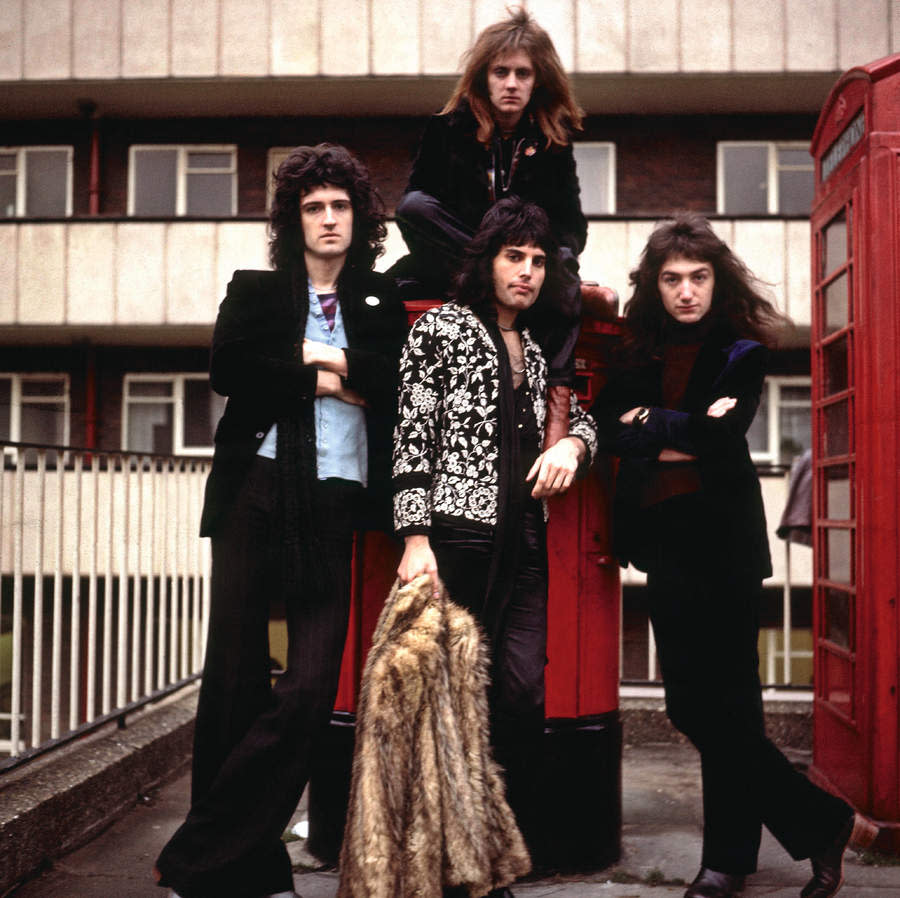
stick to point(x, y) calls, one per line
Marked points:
point(104, 587)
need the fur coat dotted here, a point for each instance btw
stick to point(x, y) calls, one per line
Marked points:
point(427, 804)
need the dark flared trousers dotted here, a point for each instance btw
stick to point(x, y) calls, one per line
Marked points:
point(253, 742)
point(706, 622)
point(436, 238)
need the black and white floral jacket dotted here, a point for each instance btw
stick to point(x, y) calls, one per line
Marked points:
point(446, 443)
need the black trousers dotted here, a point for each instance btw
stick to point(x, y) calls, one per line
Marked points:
point(436, 238)
point(514, 617)
point(705, 618)
point(253, 741)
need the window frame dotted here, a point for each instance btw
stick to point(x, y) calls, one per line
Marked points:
point(274, 157)
point(610, 175)
point(15, 400)
point(177, 379)
point(773, 386)
point(181, 172)
point(772, 170)
point(21, 176)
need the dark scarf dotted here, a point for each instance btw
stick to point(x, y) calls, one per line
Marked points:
point(296, 455)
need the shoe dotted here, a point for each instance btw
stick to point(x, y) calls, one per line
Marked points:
point(556, 424)
point(712, 884)
point(828, 867)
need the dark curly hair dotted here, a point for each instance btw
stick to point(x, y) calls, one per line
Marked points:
point(307, 168)
point(509, 222)
point(737, 303)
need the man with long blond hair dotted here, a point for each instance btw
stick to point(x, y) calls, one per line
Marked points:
point(504, 132)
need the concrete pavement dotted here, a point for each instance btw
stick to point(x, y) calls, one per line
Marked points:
point(661, 847)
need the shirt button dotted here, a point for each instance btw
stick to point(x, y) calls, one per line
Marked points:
point(260, 435)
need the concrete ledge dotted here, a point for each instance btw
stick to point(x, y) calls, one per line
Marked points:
point(56, 803)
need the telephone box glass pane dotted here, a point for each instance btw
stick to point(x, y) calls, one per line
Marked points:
point(839, 562)
point(837, 493)
point(836, 315)
point(834, 362)
point(838, 683)
point(837, 617)
point(834, 239)
point(837, 430)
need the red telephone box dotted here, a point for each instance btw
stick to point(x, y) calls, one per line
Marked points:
point(856, 425)
point(577, 792)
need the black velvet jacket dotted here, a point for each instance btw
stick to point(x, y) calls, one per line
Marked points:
point(255, 361)
point(452, 166)
point(730, 486)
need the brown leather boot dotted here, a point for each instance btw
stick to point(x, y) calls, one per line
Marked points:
point(556, 424)
point(828, 866)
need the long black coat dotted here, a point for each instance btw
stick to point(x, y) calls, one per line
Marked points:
point(452, 166)
point(731, 491)
point(256, 362)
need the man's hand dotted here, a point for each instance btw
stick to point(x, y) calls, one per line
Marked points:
point(675, 455)
point(418, 558)
point(325, 357)
point(628, 417)
point(330, 384)
point(554, 470)
point(721, 406)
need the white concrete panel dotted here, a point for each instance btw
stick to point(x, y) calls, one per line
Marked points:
point(759, 36)
point(653, 36)
point(446, 35)
point(146, 47)
point(140, 273)
point(811, 35)
point(864, 29)
point(601, 41)
point(9, 259)
point(705, 36)
point(97, 30)
point(557, 18)
point(195, 37)
point(395, 37)
point(48, 39)
point(295, 37)
point(394, 248)
point(91, 274)
point(238, 245)
point(486, 12)
point(11, 38)
point(42, 274)
point(761, 244)
point(799, 302)
point(345, 38)
point(895, 32)
point(638, 234)
point(192, 293)
point(605, 256)
point(245, 37)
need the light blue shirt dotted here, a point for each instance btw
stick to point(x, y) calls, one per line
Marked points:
point(341, 443)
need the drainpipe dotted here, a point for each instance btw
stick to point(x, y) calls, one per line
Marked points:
point(88, 109)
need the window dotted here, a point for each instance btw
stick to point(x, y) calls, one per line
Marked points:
point(596, 166)
point(782, 428)
point(170, 414)
point(277, 155)
point(35, 182)
point(169, 181)
point(763, 178)
point(34, 408)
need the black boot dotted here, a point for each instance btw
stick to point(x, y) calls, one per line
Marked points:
point(828, 866)
point(712, 884)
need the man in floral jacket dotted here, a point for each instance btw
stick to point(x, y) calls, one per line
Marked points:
point(470, 480)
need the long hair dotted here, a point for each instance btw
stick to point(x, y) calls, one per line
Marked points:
point(509, 222)
point(737, 303)
point(552, 102)
point(307, 168)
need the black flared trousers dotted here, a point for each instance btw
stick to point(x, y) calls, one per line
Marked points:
point(705, 618)
point(253, 742)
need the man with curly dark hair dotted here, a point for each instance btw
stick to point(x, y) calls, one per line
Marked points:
point(308, 356)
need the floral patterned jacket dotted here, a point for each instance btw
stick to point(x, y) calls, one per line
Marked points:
point(446, 443)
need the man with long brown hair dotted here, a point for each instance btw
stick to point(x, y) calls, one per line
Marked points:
point(504, 132)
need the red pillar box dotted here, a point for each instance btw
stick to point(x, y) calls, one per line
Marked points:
point(577, 792)
point(856, 428)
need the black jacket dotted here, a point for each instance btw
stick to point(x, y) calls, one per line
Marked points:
point(255, 361)
point(730, 486)
point(452, 166)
